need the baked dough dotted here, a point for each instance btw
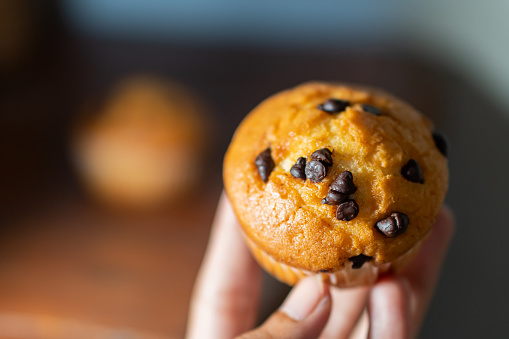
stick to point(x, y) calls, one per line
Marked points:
point(373, 137)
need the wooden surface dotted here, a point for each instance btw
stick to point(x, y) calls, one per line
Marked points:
point(73, 261)
point(74, 269)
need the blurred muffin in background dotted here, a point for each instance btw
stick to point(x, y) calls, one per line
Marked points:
point(144, 146)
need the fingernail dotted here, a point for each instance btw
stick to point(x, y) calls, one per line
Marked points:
point(307, 296)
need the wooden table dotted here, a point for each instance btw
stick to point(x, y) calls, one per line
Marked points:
point(73, 265)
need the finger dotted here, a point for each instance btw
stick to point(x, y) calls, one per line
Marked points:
point(225, 299)
point(388, 309)
point(423, 272)
point(347, 307)
point(303, 315)
point(360, 331)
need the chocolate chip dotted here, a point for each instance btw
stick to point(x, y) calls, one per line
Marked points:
point(347, 210)
point(441, 142)
point(334, 198)
point(265, 164)
point(372, 109)
point(316, 171)
point(334, 106)
point(344, 183)
point(299, 169)
point(412, 172)
point(359, 260)
point(301, 161)
point(394, 225)
point(324, 155)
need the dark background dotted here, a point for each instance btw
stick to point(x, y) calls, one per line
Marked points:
point(70, 263)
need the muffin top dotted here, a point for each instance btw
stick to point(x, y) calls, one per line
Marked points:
point(325, 173)
point(145, 110)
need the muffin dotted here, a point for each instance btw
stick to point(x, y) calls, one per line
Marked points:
point(338, 180)
point(142, 147)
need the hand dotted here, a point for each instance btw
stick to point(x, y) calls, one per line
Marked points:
point(226, 295)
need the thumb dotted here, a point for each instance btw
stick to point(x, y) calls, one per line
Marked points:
point(303, 314)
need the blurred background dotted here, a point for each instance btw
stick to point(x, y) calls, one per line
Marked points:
point(103, 230)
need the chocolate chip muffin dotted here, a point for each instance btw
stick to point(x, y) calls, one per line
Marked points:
point(338, 180)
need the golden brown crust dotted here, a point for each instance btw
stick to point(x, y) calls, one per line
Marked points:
point(285, 217)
